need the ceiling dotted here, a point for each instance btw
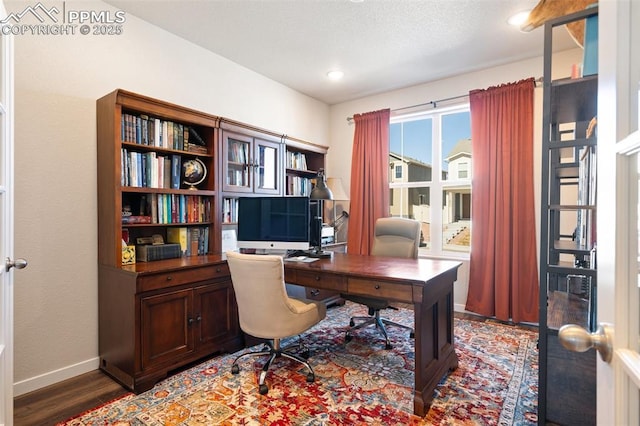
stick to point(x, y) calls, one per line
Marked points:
point(380, 45)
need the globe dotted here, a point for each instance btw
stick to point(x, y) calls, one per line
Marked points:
point(194, 172)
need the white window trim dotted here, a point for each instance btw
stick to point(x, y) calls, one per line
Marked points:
point(436, 185)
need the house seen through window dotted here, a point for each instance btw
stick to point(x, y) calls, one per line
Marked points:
point(430, 154)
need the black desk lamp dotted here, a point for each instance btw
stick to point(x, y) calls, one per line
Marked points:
point(320, 192)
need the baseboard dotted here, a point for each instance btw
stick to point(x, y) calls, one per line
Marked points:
point(458, 307)
point(52, 377)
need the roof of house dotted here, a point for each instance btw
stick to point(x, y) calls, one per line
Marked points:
point(408, 160)
point(463, 147)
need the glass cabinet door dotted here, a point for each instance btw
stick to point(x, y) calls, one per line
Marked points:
point(238, 167)
point(267, 167)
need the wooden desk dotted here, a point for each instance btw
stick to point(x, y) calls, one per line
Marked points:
point(428, 284)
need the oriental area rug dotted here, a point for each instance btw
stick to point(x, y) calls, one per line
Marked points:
point(357, 383)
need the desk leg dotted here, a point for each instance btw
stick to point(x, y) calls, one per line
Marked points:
point(435, 354)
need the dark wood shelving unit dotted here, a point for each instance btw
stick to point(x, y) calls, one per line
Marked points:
point(568, 275)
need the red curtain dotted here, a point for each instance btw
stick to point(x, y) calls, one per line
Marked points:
point(369, 178)
point(503, 276)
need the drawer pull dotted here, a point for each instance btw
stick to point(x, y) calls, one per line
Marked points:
point(169, 277)
point(317, 278)
point(218, 270)
point(377, 287)
point(315, 292)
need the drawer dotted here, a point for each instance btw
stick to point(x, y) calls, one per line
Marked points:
point(319, 294)
point(381, 289)
point(334, 283)
point(184, 276)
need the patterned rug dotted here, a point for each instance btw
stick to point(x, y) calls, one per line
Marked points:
point(356, 383)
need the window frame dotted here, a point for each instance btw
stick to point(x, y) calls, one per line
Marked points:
point(437, 185)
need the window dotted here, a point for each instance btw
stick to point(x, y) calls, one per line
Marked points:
point(463, 170)
point(415, 140)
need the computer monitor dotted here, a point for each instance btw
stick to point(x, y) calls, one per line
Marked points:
point(275, 223)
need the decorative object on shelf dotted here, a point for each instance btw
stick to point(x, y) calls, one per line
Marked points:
point(320, 192)
point(194, 172)
point(339, 194)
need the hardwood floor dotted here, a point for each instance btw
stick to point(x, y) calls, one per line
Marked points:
point(66, 399)
point(69, 398)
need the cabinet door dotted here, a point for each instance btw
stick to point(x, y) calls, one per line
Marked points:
point(237, 164)
point(216, 313)
point(166, 329)
point(267, 167)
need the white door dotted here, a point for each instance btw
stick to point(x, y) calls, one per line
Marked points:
point(618, 209)
point(6, 227)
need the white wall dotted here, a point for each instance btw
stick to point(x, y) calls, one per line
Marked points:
point(58, 79)
point(341, 132)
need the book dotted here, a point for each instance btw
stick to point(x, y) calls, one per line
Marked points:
point(178, 236)
point(195, 137)
point(136, 219)
point(151, 252)
point(176, 168)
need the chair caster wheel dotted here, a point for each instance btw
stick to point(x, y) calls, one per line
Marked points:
point(388, 346)
point(311, 377)
point(263, 389)
point(305, 354)
point(412, 335)
point(235, 369)
point(348, 338)
point(351, 323)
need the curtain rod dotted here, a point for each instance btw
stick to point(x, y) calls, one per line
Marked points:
point(434, 103)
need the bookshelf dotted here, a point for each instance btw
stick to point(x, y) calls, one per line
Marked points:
point(169, 174)
point(257, 162)
point(302, 161)
point(158, 182)
point(568, 275)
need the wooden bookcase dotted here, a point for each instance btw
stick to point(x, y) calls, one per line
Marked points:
point(568, 275)
point(159, 315)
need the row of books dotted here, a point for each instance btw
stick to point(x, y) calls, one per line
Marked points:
point(193, 241)
point(297, 185)
point(169, 208)
point(145, 130)
point(296, 160)
point(238, 152)
point(238, 177)
point(150, 170)
point(230, 210)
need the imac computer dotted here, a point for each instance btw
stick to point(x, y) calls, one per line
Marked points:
point(273, 223)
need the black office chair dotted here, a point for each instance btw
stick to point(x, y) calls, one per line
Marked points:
point(394, 237)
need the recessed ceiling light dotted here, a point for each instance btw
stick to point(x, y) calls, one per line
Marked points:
point(519, 18)
point(335, 75)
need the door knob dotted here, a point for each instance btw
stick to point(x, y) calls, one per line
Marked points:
point(18, 264)
point(577, 339)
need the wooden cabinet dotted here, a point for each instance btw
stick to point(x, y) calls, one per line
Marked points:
point(158, 316)
point(168, 173)
point(568, 275)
